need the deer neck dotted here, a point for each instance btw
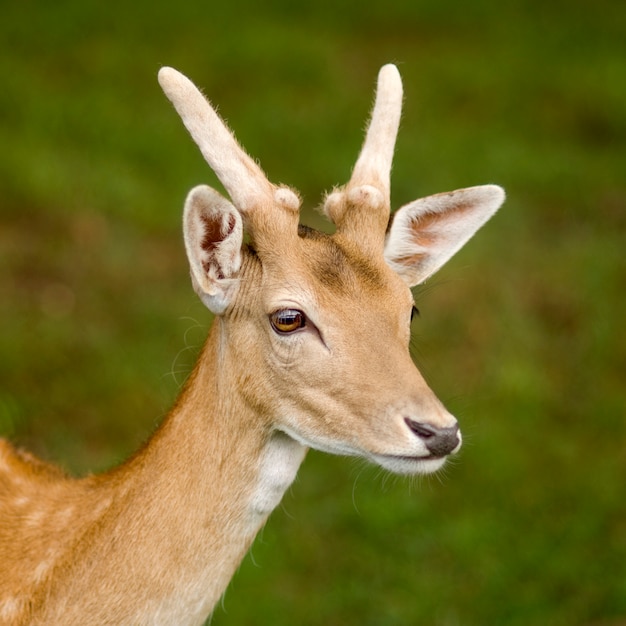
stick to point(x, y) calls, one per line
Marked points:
point(239, 464)
point(233, 469)
point(185, 509)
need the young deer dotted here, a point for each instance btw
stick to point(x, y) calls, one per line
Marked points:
point(309, 348)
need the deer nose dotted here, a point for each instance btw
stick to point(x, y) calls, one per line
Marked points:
point(438, 441)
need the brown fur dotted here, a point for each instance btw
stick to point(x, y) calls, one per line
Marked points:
point(156, 540)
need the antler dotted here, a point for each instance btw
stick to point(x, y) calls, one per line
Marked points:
point(373, 166)
point(368, 192)
point(252, 193)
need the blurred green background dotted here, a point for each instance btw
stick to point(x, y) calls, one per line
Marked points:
point(522, 334)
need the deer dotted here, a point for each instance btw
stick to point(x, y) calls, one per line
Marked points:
point(308, 348)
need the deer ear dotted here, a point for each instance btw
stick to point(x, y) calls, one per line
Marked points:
point(427, 232)
point(213, 232)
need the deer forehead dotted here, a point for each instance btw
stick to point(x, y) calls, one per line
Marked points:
point(327, 273)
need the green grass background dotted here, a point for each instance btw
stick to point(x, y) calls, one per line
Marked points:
point(522, 335)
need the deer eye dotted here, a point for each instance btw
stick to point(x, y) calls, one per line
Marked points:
point(286, 321)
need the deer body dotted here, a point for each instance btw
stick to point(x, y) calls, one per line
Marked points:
point(309, 348)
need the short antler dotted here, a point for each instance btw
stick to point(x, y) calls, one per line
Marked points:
point(241, 176)
point(252, 193)
point(368, 191)
point(373, 166)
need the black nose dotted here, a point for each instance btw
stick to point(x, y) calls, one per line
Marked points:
point(438, 441)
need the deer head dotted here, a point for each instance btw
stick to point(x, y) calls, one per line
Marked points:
point(315, 327)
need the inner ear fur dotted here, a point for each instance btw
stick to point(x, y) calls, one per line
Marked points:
point(425, 233)
point(213, 233)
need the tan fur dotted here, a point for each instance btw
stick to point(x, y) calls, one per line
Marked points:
point(156, 540)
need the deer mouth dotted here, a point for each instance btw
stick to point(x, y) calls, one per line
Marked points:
point(407, 464)
point(425, 457)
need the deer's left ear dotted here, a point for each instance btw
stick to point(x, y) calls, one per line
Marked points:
point(427, 232)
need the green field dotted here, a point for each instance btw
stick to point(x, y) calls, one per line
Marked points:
point(522, 334)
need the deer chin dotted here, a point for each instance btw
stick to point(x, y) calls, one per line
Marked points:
point(410, 465)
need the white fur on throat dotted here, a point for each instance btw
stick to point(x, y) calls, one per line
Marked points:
point(279, 466)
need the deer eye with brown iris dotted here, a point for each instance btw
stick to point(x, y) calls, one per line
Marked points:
point(285, 321)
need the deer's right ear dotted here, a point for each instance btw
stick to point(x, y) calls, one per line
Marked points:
point(213, 231)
